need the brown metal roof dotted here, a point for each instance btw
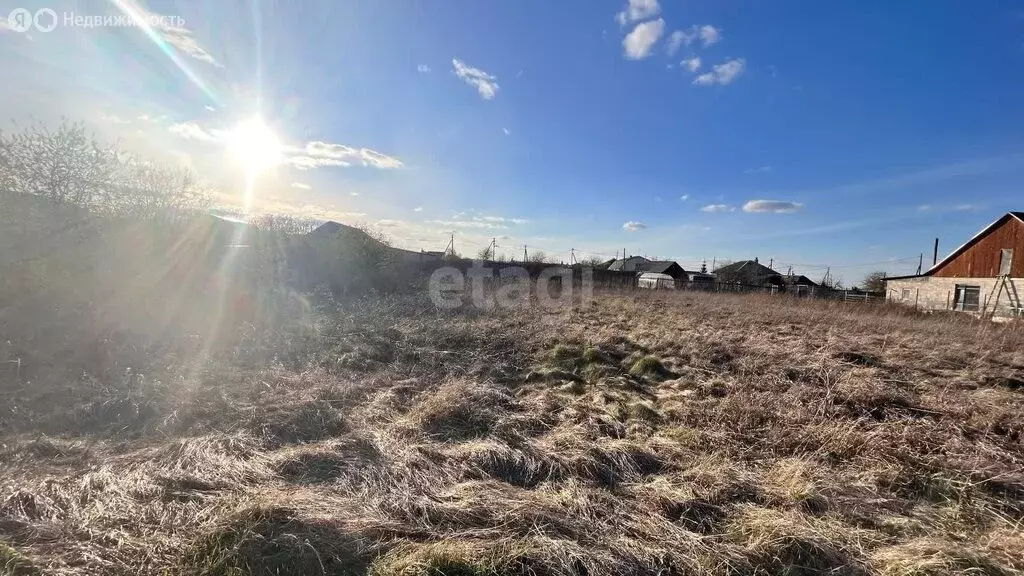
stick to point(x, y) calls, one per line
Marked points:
point(974, 239)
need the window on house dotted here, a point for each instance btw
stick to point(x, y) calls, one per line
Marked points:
point(906, 293)
point(967, 298)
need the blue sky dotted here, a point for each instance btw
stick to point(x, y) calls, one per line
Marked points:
point(843, 134)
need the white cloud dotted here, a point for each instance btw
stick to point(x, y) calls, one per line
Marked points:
point(772, 206)
point(947, 208)
point(193, 131)
point(328, 154)
point(506, 131)
point(210, 108)
point(353, 193)
point(389, 223)
point(301, 186)
point(486, 84)
point(691, 64)
point(418, 209)
point(468, 224)
point(758, 170)
point(306, 162)
point(179, 37)
point(313, 155)
point(722, 74)
point(112, 119)
point(423, 68)
point(638, 43)
point(633, 226)
point(684, 197)
point(717, 208)
point(675, 40)
point(709, 35)
point(473, 219)
point(638, 10)
point(502, 219)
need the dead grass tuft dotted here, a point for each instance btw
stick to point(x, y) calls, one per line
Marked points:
point(460, 410)
point(437, 559)
point(789, 543)
point(13, 563)
point(648, 366)
point(270, 540)
point(932, 556)
point(325, 462)
point(308, 422)
point(524, 465)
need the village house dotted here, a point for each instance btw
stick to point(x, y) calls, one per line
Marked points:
point(640, 264)
point(631, 264)
point(800, 285)
point(749, 273)
point(666, 267)
point(981, 277)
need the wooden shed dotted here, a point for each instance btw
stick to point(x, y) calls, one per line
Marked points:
point(985, 275)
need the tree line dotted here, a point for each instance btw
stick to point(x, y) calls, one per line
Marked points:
point(68, 166)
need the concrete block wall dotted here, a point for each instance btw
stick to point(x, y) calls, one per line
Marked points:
point(933, 293)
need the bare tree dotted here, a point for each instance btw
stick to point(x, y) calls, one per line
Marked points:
point(140, 188)
point(65, 165)
point(285, 224)
point(68, 166)
point(832, 283)
point(874, 282)
point(537, 256)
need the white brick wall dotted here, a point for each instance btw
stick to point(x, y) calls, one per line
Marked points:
point(933, 293)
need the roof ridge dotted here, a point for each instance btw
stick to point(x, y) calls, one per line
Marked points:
point(981, 234)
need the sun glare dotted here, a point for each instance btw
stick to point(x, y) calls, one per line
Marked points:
point(254, 146)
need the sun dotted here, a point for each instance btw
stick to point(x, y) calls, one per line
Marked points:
point(254, 146)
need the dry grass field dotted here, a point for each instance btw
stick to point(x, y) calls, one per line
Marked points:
point(642, 434)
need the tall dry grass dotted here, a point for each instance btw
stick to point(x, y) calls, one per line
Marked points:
point(639, 434)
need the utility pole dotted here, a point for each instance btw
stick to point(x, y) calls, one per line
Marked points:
point(524, 252)
point(935, 253)
point(494, 245)
point(450, 249)
point(771, 262)
point(920, 262)
point(572, 256)
point(714, 259)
